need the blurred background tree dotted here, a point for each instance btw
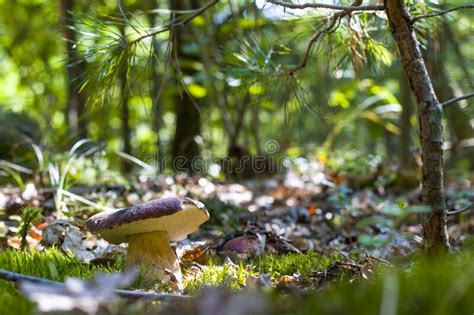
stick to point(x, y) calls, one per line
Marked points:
point(115, 73)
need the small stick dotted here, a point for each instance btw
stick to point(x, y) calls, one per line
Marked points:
point(469, 207)
point(457, 99)
point(328, 6)
point(424, 16)
point(128, 294)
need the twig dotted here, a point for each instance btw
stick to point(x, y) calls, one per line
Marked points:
point(128, 294)
point(350, 265)
point(311, 43)
point(328, 6)
point(16, 277)
point(424, 16)
point(335, 22)
point(469, 207)
point(456, 99)
point(369, 257)
point(176, 23)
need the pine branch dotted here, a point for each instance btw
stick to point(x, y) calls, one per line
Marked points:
point(456, 99)
point(424, 16)
point(469, 207)
point(128, 294)
point(334, 24)
point(328, 6)
point(177, 22)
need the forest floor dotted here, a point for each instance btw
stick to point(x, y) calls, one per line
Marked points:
point(311, 240)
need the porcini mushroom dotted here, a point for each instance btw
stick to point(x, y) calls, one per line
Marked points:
point(149, 228)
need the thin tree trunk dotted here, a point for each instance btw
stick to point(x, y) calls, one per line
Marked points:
point(255, 122)
point(188, 120)
point(391, 143)
point(157, 109)
point(125, 111)
point(406, 100)
point(460, 58)
point(75, 108)
point(156, 86)
point(435, 236)
point(239, 122)
point(408, 177)
point(209, 52)
point(256, 129)
point(458, 122)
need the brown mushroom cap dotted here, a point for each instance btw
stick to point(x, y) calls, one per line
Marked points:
point(178, 217)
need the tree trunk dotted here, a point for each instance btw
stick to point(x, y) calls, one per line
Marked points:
point(156, 83)
point(157, 109)
point(218, 96)
point(75, 108)
point(458, 122)
point(125, 111)
point(188, 120)
point(406, 101)
point(255, 128)
point(460, 58)
point(408, 177)
point(435, 236)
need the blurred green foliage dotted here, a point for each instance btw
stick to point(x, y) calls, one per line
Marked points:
point(346, 98)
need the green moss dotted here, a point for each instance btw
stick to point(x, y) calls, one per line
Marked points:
point(421, 287)
point(304, 264)
point(218, 275)
point(51, 264)
point(434, 286)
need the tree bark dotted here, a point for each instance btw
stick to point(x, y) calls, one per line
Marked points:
point(188, 120)
point(75, 108)
point(435, 236)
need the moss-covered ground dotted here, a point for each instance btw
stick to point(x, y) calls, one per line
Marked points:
point(421, 287)
point(51, 264)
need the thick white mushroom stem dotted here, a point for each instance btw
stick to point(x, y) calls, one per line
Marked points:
point(152, 252)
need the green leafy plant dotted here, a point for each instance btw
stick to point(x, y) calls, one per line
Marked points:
point(352, 163)
point(13, 171)
point(378, 106)
point(59, 178)
point(28, 216)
